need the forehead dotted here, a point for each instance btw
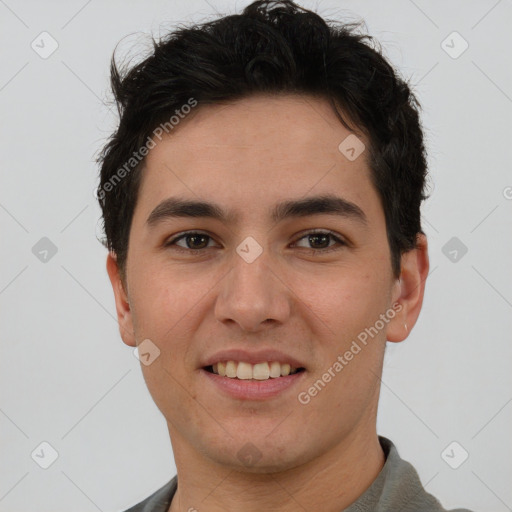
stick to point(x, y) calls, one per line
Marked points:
point(289, 126)
point(256, 151)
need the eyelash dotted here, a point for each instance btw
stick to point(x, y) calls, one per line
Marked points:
point(186, 234)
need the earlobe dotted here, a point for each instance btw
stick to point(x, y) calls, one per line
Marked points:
point(124, 313)
point(410, 290)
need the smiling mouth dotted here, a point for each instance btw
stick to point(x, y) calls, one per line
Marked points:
point(246, 371)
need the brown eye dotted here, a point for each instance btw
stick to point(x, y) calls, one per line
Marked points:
point(319, 241)
point(192, 241)
point(196, 241)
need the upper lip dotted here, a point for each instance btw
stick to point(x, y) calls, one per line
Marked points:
point(252, 357)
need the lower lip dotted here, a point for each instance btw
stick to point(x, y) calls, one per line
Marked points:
point(253, 389)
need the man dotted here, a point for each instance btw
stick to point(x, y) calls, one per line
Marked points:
point(261, 201)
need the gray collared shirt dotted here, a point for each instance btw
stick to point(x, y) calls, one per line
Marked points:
point(397, 488)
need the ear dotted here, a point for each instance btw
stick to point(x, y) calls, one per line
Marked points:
point(409, 290)
point(124, 314)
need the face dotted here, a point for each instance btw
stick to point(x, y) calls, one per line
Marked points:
point(260, 282)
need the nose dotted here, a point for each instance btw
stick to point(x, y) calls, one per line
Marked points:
point(253, 295)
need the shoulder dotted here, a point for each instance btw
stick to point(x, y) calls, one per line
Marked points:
point(159, 501)
point(397, 487)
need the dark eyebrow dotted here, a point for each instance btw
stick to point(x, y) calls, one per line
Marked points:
point(173, 207)
point(325, 204)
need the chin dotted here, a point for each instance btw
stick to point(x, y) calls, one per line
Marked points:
point(259, 456)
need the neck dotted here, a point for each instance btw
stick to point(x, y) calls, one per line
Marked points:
point(330, 482)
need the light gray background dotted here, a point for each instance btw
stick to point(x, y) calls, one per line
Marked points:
point(67, 378)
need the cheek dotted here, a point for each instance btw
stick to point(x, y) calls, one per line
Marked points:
point(163, 300)
point(176, 401)
point(343, 302)
point(166, 312)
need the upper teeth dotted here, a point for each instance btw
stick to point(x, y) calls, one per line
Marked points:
point(259, 371)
